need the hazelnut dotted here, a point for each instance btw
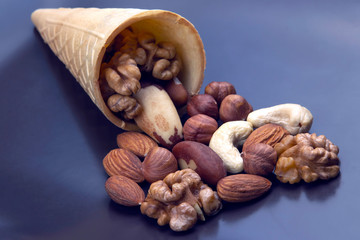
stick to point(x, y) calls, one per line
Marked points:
point(203, 104)
point(233, 108)
point(219, 90)
point(259, 159)
point(158, 163)
point(177, 92)
point(199, 128)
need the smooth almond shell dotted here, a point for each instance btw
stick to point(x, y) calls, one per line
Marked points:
point(124, 191)
point(242, 187)
point(269, 134)
point(123, 162)
point(158, 164)
point(137, 143)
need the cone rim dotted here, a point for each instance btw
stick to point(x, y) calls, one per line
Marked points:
point(146, 14)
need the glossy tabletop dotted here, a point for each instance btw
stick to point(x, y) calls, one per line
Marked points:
point(53, 138)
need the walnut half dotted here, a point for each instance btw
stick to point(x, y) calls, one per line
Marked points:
point(306, 156)
point(180, 200)
point(127, 58)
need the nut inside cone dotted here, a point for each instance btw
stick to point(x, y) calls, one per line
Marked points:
point(165, 26)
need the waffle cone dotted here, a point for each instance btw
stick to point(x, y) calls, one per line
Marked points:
point(79, 38)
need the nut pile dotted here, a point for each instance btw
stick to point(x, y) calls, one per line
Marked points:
point(224, 151)
point(139, 83)
point(130, 56)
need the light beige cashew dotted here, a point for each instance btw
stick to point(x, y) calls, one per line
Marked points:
point(226, 140)
point(293, 117)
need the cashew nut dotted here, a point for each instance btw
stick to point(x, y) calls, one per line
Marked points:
point(226, 140)
point(293, 117)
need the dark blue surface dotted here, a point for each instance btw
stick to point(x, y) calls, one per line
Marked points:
point(53, 138)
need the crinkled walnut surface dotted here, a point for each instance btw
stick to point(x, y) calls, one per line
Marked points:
point(128, 57)
point(180, 200)
point(306, 156)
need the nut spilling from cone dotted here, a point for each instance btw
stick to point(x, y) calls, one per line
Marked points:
point(131, 57)
point(111, 52)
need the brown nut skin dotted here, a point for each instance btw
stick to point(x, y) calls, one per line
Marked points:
point(199, 128)
point(242, 187)
point(200, 158)
point(219, 90)
point(203, 104)
point(177, 92)
point(307, 157)
point(123, 162)
point(269, 134)
point(233, 108)
point(180, 199)
point(124, 191)
point(135, 142)
point(259, 159)
point(158, 164)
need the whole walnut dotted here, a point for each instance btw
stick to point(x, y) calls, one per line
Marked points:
point(180, 200)
point(306, 156)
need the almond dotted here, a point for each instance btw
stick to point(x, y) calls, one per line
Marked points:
point(137, 143)
point(242, 187)
point(124, 191)
point(125, 163)
point(158, 164)
point(269, 134)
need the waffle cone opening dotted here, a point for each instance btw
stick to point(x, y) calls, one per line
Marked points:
point(80, 36)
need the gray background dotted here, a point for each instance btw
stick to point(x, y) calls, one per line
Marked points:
point(53, 138)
